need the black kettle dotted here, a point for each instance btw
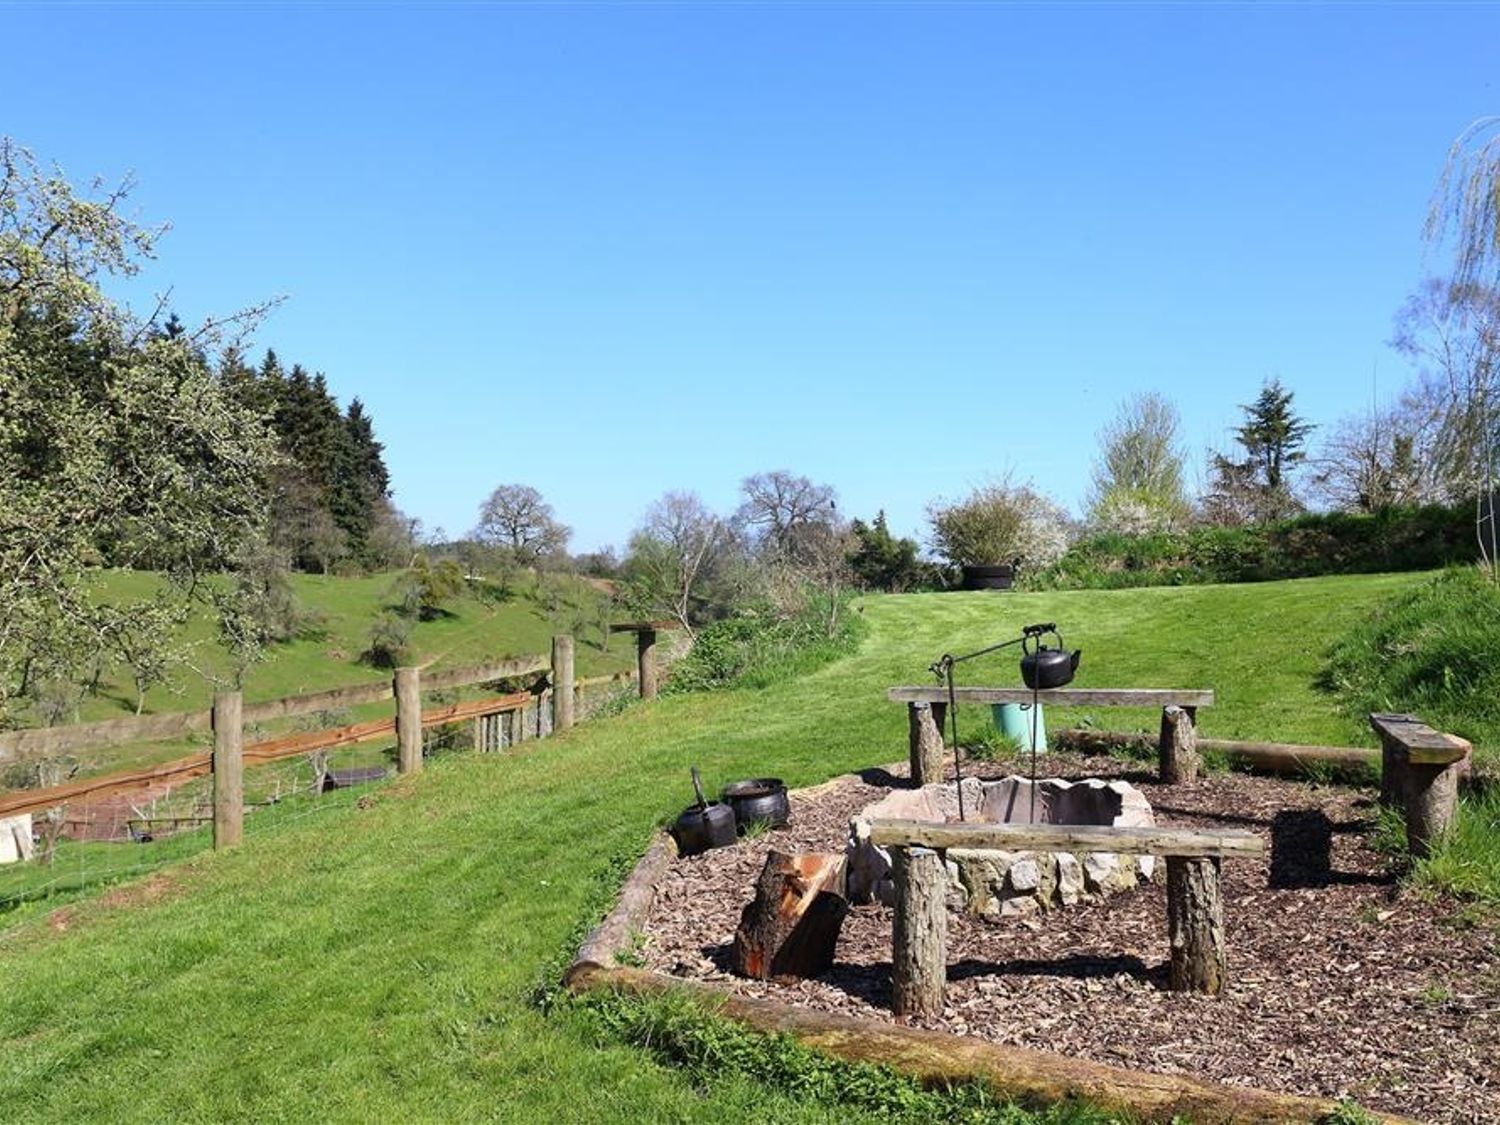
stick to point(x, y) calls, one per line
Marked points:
point(1042, 666)
point(705, 825)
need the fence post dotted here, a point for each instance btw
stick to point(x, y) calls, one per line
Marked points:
point(562, 682)
point(408, 689)
point(645, 655)
point(925, 741)
point(229, 769)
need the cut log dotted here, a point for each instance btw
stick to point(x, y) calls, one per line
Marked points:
point(1178, 747)
point(925, 737)
point(1431, 802)
point(789, 929)
point(919, 943)
point(1195, 925)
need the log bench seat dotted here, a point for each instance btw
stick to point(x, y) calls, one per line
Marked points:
point(1195, 909)
point(1419, 772)
point(927, 710)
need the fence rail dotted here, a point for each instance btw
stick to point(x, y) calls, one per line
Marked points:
point(230, 753)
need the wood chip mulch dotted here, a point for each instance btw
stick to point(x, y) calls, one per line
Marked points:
point(1341, 982)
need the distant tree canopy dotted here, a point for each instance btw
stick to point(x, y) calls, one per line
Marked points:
point(1259, 488)
point(1137, 485)
point(333, 488)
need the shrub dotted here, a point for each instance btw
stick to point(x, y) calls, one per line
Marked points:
point(389, 638)
point(759, 647)
point(1000, 523)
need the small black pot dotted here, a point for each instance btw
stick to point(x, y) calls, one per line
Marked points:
point(989, 577)
point(762, 800)
point(705, 825)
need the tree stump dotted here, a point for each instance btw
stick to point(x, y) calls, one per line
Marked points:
point(1178, 747)
point(1195, 925)
point(919, 942)
point(925, 738)
point(789, 930)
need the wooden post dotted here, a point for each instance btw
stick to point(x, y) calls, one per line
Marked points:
point(645, 653)
point(919, 952)
point(1431, 800)
point(925, 742)
point(1178, 747)
point(520, 729)
point(408, 689)
point(229, 769)
point(1195, 925)
point(1393, 772)
point(479, 746)
point(562, 682)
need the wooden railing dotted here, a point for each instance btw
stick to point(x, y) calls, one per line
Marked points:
point(229, 716)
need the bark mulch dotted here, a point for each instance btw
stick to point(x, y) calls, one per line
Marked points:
point(1341, 982)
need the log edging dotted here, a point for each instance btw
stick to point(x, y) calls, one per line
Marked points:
point(613, 936)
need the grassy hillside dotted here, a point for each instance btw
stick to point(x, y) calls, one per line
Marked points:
point(378, 961)
point(343, 609)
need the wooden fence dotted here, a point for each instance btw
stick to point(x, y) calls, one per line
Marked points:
point(229, 716)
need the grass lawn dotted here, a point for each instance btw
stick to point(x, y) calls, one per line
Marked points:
point(378, 962)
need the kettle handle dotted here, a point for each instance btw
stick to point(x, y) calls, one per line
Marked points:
point(1031, 637)
point(698, 788)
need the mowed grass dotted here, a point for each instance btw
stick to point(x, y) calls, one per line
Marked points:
point(379, 962)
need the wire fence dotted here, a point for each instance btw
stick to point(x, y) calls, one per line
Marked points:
point(119, 832)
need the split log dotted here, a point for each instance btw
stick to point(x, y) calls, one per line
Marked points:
point(789, 930)
point(1178, 747)
point(925, 737)
point(919, 953)
point(1195, 925)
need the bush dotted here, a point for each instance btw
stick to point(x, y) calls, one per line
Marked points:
point(389, 638)
point(1332, 543)
point(1000, 523)
point(759, 647)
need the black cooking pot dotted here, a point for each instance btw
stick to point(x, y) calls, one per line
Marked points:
point(704, 825)
point(1043, 667)
point(762, 800)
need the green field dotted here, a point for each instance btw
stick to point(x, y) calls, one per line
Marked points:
point(472, 630)
point(379, 962)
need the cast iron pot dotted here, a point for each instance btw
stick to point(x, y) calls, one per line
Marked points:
point(704, 825)
point(999, 577)
point(1043, 667)
point(762, 800)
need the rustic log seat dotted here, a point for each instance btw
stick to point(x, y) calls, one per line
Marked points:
point(927, 710)
point(1419, 772)
point(1195, 910)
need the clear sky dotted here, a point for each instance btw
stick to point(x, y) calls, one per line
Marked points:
point(610, 250)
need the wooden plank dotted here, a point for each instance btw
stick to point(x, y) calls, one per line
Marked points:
point(334, 699)
point(599, 681)
point(457, 712)
point(1068, 838)
point(1418, 742)
point(1058, 697)
point(38, 800)
point(272, 749)
point(87, 736)
point(484, 673)
point(644, 626)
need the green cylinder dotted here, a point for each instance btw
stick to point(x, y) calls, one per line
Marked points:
point(1014, 722)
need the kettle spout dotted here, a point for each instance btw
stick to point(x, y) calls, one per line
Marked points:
point(1077, 652)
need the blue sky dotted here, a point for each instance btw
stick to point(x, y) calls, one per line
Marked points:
point(610, 250)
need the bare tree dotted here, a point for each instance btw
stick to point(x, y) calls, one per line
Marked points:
point(516, 518)
point(680, 547)
point(787, 512)
point(1368, 463)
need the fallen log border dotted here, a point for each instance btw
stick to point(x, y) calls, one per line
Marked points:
point(934, 1058)
point(1282, 758)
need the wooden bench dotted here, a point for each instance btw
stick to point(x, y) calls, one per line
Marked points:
point(1195, 909)
point(927, 710)
point(1419, 772)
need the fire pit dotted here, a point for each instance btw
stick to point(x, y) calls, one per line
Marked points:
point(995, 883)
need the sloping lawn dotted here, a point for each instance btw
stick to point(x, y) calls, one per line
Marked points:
point(378, 962)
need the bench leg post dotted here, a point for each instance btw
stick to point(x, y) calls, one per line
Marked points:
point(1394, 774)
point(919, 953)
point(1178, 747)
point(1195, 925)
point(1431, 800)
point(925, 741)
